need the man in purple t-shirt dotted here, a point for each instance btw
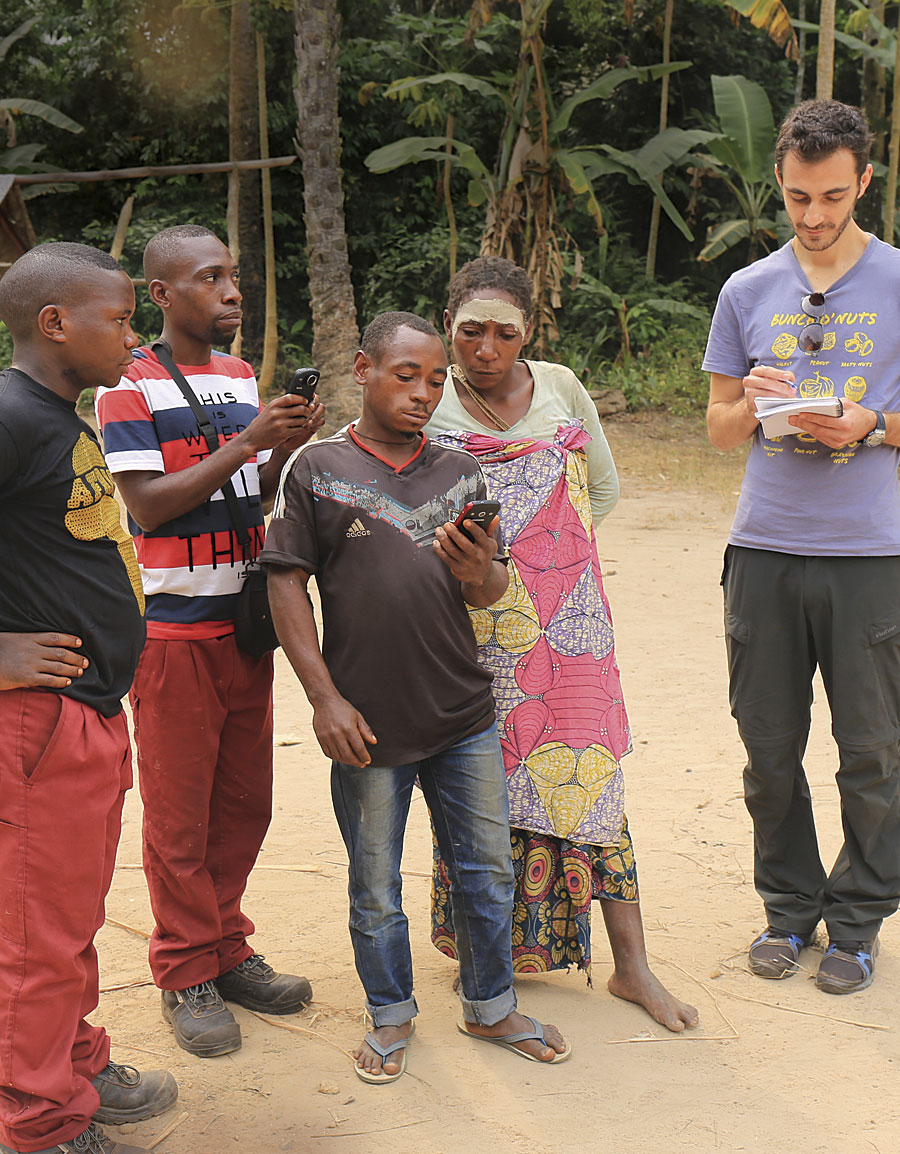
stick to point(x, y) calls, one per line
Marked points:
point(812, 569)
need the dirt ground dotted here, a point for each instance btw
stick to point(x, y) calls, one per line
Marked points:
point(771, 1066)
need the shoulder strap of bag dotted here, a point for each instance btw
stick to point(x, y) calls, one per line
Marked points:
point(208, 432)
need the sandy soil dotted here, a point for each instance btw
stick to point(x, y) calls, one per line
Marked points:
point(771, 1066)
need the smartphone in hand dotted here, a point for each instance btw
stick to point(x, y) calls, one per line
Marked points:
point(303, 383)
point(481, 513)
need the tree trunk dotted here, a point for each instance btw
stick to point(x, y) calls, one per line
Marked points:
point(825, 54)
point(801, 54)
point(663, 125)
point(270, 342)
point(243, 144)
point(335, 331)
point(870, 210)
point(890, 192)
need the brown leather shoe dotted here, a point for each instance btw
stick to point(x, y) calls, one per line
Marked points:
point(90, 1141)
point(127, 1095)
point(203, 1025)
point(255, 985)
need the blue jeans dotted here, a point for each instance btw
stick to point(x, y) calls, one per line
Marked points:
point(465, 789)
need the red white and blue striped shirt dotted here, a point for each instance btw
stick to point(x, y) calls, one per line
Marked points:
point(191, 566)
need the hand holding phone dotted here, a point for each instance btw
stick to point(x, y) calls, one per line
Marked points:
point(480, 513)
point(303, 383)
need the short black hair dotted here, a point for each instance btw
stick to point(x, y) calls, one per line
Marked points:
point(487, 272)
point(379, 331)
point(52, 273)
point(816, 129)
point(165, 246)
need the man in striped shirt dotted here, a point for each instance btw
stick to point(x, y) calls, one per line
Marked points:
point(202, 707)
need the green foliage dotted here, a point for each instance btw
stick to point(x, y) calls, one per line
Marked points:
point(743, 157)
point(666, 374)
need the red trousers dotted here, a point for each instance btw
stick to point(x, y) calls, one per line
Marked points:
point(64, 770)
point(203, 732)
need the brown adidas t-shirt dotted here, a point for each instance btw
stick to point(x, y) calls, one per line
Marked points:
point(397, 639)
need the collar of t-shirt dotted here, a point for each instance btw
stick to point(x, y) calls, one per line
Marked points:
point(374, 452)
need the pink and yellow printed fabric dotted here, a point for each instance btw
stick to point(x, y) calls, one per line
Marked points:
point(549, 642)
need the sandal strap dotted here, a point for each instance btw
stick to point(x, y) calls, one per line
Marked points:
point(863, 958)
point(386, 1051)
point(535, 1035)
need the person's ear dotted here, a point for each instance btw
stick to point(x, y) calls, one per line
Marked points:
point(448, 325)
point(361, 365)
point(529, 332)
point(778, 178)
point(159, 293)
point(51, 322)
point(865, 180)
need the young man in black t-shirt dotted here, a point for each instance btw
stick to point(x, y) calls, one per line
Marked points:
point(397, 691)
point(71, 631)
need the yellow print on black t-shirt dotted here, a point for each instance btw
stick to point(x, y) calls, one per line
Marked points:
point(93, 511)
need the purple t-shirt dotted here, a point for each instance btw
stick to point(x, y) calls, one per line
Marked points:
point(798, 495)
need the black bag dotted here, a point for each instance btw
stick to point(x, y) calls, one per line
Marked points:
point(253, 629)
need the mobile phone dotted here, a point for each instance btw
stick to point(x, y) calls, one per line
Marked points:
point(481, 513)
point(303, 383)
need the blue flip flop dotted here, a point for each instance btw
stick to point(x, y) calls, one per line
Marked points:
point(508, 1041)
point(382, 1079)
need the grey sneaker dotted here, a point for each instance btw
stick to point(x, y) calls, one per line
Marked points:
point(127, 1095)
point(255, 985)
point(203, 1025)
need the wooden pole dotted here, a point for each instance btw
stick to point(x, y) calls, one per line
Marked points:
point(150, 170)
point(890, 192)
point(118, 243)
point(270, 338)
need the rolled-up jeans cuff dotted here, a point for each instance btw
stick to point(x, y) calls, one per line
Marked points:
point(492, 1011)
point(394, 1015)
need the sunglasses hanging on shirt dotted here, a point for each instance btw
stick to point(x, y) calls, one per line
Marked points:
point(812, 336)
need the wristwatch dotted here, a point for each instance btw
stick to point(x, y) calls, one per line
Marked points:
point(876, 437)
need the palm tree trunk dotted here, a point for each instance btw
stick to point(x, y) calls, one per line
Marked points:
point(801, 58)
point(270, 338)
point(335, 331)
point(448, 194)
point(825, 55)
point(890, 192)
point(663, 124)
point(243, 140)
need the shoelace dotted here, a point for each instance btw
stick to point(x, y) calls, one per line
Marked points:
point(92, 1141)
point(204, 994)
point(125, 1075)
point(256, 964)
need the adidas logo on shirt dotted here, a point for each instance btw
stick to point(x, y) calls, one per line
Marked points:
point(357, 529)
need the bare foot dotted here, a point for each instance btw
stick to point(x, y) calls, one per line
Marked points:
point(517, 1024)
point(367, 1059)
point(643, 987)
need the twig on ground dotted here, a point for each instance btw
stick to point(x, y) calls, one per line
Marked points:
point(301, 1030)
point(683, 1037)
point(167, 1130)
point(703, 986)
point(806, 1013)
point(126, 986)
point(212, 1120)
point(365, 1133)
point(130, 929)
